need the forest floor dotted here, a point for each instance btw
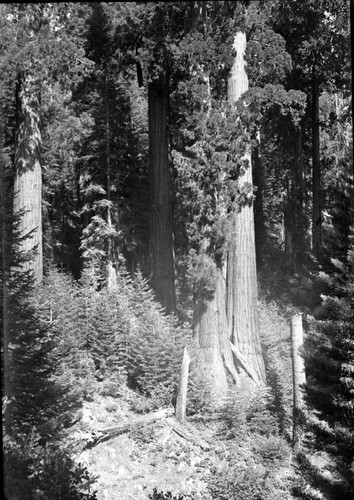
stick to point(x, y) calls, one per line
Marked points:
point(130, 465)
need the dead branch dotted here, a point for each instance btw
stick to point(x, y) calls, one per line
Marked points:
point(243, 363)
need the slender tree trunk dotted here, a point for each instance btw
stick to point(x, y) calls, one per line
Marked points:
point(5, 268)
point(294, 208)
point(259, 223)
point(351, 15)
point(300, 195)
point(162, 274)
point(241, 263)
point(28, 176)
point(316, 172)
point(111, 271)
point(299, 377)
point(289, 227)
point(299, 170)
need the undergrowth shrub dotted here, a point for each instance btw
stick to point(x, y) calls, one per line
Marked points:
point(199, 396)
point(270, 450)
point(275, 338)
point(107, 339)
point(144, 434)
point(33, 470)
point(253, 471)
point(252, 411)
point(160, 495)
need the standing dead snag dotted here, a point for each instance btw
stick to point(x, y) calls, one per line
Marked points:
point(299, 377)
point(182, 389)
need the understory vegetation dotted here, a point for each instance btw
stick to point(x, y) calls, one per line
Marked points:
point(120, 346)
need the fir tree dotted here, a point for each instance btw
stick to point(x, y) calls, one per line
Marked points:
point(330, 387)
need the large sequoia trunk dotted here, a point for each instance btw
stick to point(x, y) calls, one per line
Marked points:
point(241, 263)
point(28, 176)
point(162, 275)
point(211, 330)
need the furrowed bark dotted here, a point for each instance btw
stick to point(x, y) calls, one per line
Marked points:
point(162, 275)
point(28, 176)
point(241, 262)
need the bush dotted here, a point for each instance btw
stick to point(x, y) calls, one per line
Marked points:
point(199, 396)
point(33, 470)
point(271, 451)
point(275, 337)
point(160, 495)
point(246, 412)
point(107, 339)
point(251, 472)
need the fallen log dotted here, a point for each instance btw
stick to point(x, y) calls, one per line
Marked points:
point(115, 430)
point(185, 430)
point(187, 434)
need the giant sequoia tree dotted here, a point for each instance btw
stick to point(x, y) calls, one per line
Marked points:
point(214, 172)
point(28, 172)
point(157, 72)
point(241, 263)
point(161, 236)
point(41, 53)
point(28, 178)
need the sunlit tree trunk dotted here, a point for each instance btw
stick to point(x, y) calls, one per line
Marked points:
point(5, 234)
point(162, 275)
point(299, 377)
point(111, 270)
point(241, 264)
point(289, 226)
point(28, 175)
point(211, 333)
point(181, 402)
point(316, 172)
point(211, 329)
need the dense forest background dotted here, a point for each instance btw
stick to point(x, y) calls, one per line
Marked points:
point(178, 177)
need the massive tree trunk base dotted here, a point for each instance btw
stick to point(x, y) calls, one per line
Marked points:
point(210, 331)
